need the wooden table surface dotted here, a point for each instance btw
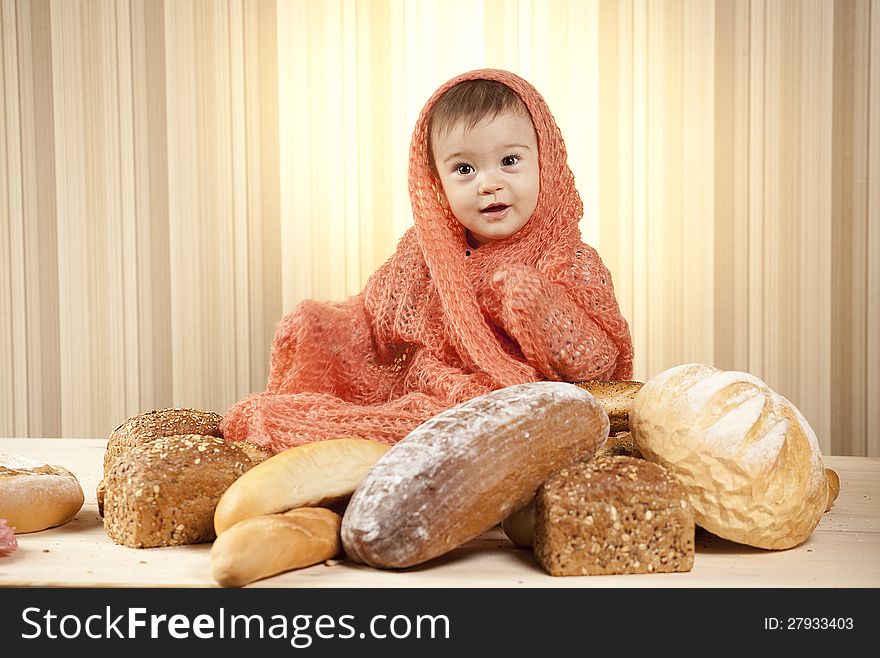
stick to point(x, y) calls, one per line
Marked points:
point(843, 551)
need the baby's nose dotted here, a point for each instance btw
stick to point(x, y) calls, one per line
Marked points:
point(490, 186)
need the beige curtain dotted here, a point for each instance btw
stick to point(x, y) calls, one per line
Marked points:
point(176, 175)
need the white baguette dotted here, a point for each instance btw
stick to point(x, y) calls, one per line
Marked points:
point(35, 496)
point(314, 474)
point(263, 546)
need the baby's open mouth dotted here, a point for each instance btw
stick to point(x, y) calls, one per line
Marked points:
point(495, 208)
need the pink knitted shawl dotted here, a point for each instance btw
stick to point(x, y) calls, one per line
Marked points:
point(436, 324)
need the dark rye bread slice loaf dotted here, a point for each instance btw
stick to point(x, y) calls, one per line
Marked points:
point(164, 493)
point(617, 397)
point(613, 515)
point(463, 471)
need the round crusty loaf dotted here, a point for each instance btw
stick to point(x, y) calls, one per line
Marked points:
point(463, 471)
point(750, 462)
point(36, 496)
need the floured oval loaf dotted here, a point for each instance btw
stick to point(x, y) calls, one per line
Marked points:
point(463, 471)
point(312, 474)
point(35, 496)
point(750, 462)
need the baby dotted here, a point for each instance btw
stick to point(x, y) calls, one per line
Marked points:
point(491, 287)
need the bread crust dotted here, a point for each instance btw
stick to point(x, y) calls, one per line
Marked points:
point(617, 396)
point(261, 546)
point(35, 496)
point(463, 471)
point(151, 425)
point(313, 474)
point(749, 460)
point(163, 493)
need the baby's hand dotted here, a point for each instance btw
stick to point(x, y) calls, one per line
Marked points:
point(520, 288)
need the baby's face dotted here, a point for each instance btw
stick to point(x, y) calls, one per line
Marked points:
point(490, 174)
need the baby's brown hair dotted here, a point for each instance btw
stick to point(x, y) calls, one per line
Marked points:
point(470, 102)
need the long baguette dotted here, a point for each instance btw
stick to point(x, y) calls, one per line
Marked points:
point(310, 475)
point(263, 546)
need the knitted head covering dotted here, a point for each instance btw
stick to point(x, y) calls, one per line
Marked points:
point(435, 324)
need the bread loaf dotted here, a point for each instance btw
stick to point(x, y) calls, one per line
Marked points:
point(620, 443)
point(520, 525)
point(151, 425)
point(833, 481)
point(613, 515)
point(463, 471)
point(263, 546)
point(35, 496)
point(163, 493)
point(748, 459)
point(314, 474)
point(617, 397)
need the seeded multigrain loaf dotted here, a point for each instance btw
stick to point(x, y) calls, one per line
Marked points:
point(613, 515)
point(151, 425)
point(164, 493)
point(155, 424)
point(617, 397)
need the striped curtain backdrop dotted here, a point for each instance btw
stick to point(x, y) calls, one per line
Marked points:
point(176, 175)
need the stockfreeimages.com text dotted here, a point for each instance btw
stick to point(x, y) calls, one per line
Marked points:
point(300, 630)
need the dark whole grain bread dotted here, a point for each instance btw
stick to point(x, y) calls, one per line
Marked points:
point(163, 493)
point(613, 515)
point(151, 425)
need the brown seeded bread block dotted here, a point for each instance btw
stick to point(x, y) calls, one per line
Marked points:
point(164, 493)
point(614, 515)
point(617, 397)
point(151, 425)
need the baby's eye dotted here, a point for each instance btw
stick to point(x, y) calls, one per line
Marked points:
point(464, 169)
point(509, 160)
